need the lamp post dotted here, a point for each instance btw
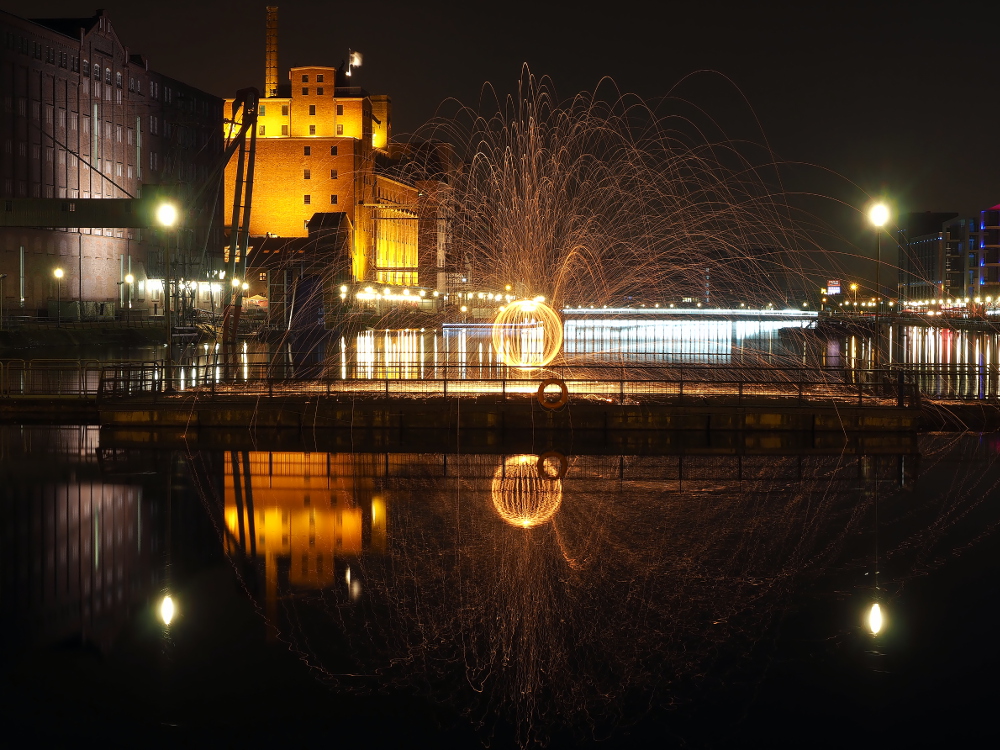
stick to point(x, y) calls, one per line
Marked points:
point(166, 215)
point(58, 273)
point(2, 277)
point(878, 215)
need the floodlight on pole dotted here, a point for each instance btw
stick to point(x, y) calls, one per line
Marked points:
point(58, 273)
point(166, 214)
point(878, 215)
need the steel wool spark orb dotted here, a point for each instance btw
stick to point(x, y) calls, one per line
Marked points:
point(524, 495)
point(527, 334)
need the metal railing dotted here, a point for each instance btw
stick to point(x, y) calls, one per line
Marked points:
point(793, 386)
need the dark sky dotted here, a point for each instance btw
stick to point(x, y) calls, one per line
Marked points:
point(899, 98)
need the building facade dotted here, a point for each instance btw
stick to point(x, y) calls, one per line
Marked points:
point(323, 147)
point(83, 117)
point(944, 256)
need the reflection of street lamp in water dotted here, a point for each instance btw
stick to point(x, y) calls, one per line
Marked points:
point(58, 273)
point(129, 279)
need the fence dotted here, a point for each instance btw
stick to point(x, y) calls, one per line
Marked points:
point(723, 386)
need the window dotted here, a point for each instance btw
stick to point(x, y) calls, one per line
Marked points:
point(333, 150)
point(305, 79)
point(340, 110)
point(312, 109)
point(340, 129)
point(333, 174)
point(319, 78)
point(306, 151)
point(261, 130)
point(305, 91)
point(319, 91)
point(284, 130)
point(118, 80)
point(262, 276)
point(312, 130)
point(306, 174)
point(307, 199)
point(333, 200)
point(284, 110)
point(263, 110)
point(97, 71)
point(107, 76)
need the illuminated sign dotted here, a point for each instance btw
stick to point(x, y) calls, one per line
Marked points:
point(833, 286)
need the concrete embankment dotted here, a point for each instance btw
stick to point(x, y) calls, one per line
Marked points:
point(452, 415)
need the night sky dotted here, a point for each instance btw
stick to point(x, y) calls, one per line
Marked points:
point(898, 98)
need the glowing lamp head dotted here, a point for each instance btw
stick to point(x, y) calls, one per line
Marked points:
point(236, 283)
point(166, 214)
point(875, 619)
point(878, 214)
point(129, 278)
point(58, 273)
point(167, 610)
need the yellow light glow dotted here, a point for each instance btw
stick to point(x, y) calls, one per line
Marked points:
point(167, 610)
point(58, 273)
point(875, 619)
point(129, 278)
point(523, 495)
point(878, 214)
point(527, 334)
point(166, 214)
point(236, 283)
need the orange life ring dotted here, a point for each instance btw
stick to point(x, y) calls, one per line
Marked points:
point(557, 403)
point(563, 465)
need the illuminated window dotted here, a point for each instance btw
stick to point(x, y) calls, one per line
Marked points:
point(263, 276)
point(305, 79)
point(306, 174)
point(333, 200)
point(333, 174)
point(305, 91)
point(340, 129)
point(306, 151)
point(307, 199)
point(312, 109)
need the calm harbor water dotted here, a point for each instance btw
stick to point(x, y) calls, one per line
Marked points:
point(943, 362)
point(708, 598)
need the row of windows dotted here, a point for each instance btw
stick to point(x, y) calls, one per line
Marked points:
point(262, 130)
point(307, 150)
point(312, 109)
point(307, 174)
point(307, 200)
point(319, 78)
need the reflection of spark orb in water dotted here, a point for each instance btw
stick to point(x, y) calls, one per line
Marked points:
point(522, 493)
point(527, 334)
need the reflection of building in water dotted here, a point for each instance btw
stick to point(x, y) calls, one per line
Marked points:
point(79, 549)
point(300, 513)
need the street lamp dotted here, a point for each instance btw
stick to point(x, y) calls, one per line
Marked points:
point(878, 215)
point(2, 277)
point(58, 273)
point(166, 216)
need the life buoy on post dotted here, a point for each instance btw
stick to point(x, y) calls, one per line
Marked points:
point(557, 403)
point(543, 472)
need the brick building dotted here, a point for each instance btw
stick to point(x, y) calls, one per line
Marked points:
point(83, 117)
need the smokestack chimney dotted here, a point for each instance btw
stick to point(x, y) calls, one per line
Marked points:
point(271, 53)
